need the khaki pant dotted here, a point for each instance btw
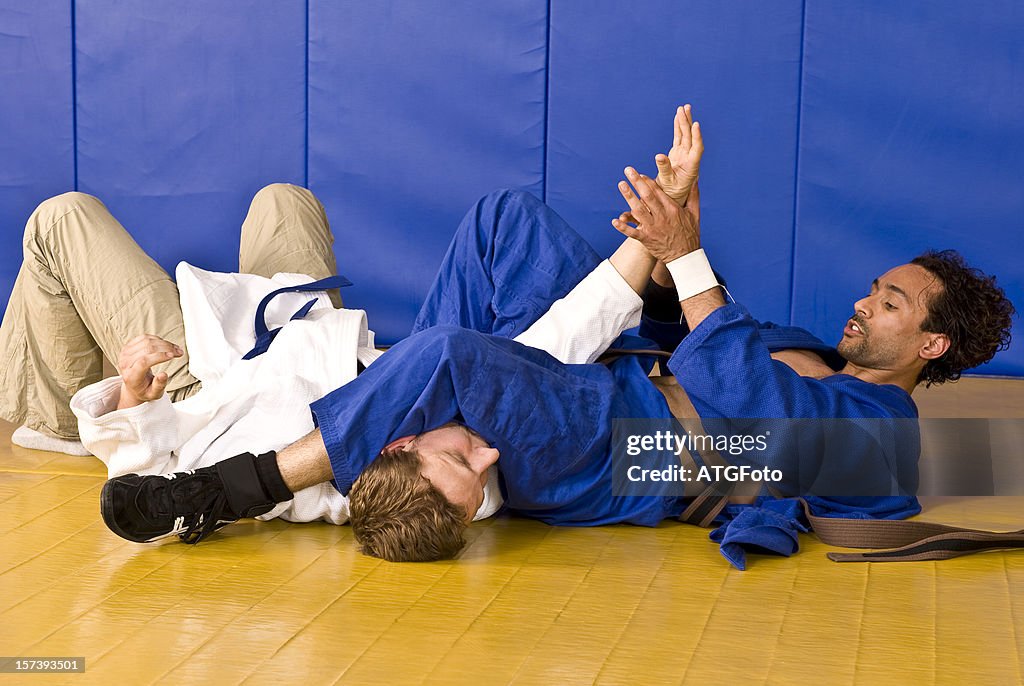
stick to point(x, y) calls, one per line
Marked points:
point(86, 288)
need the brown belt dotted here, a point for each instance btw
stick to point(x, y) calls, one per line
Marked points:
point(703, 509)
point(907, 540)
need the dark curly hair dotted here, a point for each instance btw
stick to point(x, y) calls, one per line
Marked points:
point(970, 309)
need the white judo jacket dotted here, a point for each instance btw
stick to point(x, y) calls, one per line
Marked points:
point(262, 404)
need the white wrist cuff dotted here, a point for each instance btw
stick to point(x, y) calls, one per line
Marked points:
point(692, 274)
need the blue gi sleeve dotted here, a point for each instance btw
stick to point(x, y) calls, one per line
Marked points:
point(770, 526)
point(409, 389)
point(727, 371)
point(521, 400)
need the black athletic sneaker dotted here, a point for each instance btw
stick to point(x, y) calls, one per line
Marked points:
point(191, 505)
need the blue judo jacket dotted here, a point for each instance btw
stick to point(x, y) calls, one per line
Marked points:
point(552, 422)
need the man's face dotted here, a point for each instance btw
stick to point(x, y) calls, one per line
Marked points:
point(455, 460)
point(885, 330)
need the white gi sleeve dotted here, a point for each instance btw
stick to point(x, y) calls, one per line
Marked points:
point(581, 326)
point(139, 439)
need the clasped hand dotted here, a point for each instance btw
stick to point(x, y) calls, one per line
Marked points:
point(665, 213)
point(663, 227)
point(136, 362)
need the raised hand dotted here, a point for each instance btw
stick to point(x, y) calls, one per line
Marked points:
point(136, 362)
point(677, 171)
point(663, 227)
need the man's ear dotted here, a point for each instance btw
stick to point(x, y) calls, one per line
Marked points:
point(935, 347)
point(399, 443)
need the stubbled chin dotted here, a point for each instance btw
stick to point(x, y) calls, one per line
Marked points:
point(849, 348)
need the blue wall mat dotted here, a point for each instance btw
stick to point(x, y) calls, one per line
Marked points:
point(416, 110)
point(36, 130)
point(618, 71)
point(185, 110)
point(842, 138)
point(911, 137)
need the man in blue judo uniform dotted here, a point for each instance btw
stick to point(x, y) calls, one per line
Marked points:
point(414, 437)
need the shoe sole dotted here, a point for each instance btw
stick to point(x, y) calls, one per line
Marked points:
point(107, 506)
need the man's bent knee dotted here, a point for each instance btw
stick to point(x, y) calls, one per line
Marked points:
point(57, 206)
point(50, 211)
point(275, 192)
point(503, 196)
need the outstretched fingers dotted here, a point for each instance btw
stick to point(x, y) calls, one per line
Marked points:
point(637, 207)
point(144, 344)
point(684, 123)
point(665, 169)
point(651, 194)
point(677, 128)
point(625, 229)
point(697, 141)
point(648, 204)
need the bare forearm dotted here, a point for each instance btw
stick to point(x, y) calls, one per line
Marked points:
point(661, 275)
point(126, 400)
point(697, 308)
point(634, 264)
point(305, 462)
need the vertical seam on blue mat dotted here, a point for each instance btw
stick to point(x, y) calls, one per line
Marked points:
point(305, 140)
point(796, 164)
point(74, 102)
point(547, 102)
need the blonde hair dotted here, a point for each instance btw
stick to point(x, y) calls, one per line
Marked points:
point(398, 515)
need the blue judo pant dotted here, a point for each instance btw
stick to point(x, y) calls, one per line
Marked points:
point(511, 257)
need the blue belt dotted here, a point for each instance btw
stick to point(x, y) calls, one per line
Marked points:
point(265, 337)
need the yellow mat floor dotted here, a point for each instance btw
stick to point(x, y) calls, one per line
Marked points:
point(525, 603)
